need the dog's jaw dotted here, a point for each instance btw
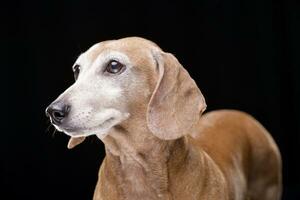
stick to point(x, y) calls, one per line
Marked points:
point(107, 118)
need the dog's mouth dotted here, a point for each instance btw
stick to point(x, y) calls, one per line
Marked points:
point(102, 125)
point(85, 131)
point(100, 129)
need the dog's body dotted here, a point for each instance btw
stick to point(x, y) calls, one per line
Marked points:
point(230, 157)
point(157, 145)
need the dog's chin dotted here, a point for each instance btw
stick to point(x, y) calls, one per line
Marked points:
point(100, 130)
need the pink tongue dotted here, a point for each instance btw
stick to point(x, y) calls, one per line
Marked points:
point(75, 141)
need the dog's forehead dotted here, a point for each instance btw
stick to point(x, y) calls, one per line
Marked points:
point(134, 48)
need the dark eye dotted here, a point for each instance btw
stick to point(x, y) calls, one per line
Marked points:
point(76, 70)
point(114, 67)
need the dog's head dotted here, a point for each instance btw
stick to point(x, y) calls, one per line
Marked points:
point(121, 80)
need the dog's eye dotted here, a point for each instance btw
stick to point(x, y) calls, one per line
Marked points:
point(114, 67)
point(76, 70)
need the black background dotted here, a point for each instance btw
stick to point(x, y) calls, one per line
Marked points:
point(242, 54)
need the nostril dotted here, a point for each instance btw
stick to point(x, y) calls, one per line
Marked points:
point(58, 115)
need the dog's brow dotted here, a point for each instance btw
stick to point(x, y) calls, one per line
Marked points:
point(104, 57)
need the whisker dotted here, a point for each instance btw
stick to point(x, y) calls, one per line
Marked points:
point(48, 128)
point(53, 133)
point(48, 122)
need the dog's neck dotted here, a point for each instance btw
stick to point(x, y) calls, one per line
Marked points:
point(142, 168)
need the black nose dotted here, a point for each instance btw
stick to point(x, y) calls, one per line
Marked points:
point(57, 112)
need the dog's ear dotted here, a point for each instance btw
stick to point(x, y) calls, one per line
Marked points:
point(75, 141)
point(176, 103)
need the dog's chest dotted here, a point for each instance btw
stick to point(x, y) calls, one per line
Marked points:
point(134, 179)
point(138, 183)
point(127, 179)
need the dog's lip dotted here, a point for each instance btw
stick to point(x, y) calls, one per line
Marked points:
point(77, 130)
point(71, 129)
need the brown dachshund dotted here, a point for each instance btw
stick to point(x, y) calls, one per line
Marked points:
point(147, 110)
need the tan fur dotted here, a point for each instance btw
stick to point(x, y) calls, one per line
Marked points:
point(222, 155)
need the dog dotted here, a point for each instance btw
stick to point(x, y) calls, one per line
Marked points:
point(148, 111)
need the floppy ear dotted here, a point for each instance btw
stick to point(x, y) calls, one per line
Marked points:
point(75, 141)
point(176, 103)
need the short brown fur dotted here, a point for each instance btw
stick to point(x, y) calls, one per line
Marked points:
point(223, 155)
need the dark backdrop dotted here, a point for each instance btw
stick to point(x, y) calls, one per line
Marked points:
point(242, 54)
